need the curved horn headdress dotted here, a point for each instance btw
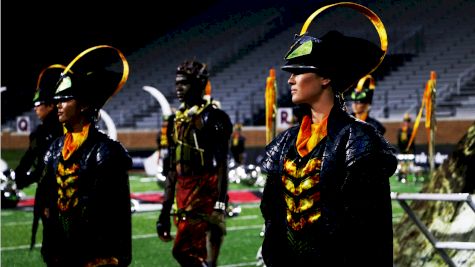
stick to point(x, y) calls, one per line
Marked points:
point(125, 64)
point(375, 20)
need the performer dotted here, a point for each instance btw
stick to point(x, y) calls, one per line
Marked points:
point(403, 135)
point(84, 194)
point(238, 144)
point(362, 98)
point(30, 167)
point(32, 164)
point(326, 201)
point(406, 163)
point(199, 147)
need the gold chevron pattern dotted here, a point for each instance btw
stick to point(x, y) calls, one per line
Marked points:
point(300, 198)
point(66, 179)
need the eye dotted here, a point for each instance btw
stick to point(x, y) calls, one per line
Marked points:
point(299, 71)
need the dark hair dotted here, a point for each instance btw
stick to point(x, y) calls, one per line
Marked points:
point(195, 71)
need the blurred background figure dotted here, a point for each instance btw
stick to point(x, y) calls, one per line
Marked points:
point(406, 151)
point(31, 164)
point(404, 133)
point(362, 97)
point(238, 144)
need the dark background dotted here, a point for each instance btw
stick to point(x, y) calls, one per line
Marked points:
point(35, 34)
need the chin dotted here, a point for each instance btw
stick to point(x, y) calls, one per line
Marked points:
point(296, 101)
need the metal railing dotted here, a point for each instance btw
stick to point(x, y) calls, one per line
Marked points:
point(438, 245)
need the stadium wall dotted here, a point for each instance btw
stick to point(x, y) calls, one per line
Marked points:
point(449, 132)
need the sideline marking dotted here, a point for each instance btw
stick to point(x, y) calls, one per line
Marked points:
point(235, 228)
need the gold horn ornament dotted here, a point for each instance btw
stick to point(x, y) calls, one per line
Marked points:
point(125, 64)
point(375, 20)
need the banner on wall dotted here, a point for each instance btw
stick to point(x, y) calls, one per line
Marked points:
point(23, 124)
point(284, 118)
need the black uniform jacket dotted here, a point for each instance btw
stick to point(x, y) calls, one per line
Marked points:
point(355, 227)
point(100, 226)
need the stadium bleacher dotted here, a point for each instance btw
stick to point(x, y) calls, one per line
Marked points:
point(240, 49)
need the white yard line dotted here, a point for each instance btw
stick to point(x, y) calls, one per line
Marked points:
point(254, 263)
point(154, 235)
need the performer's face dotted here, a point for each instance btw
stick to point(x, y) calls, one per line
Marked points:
point(307, 88)
point(185, 91)
point(69, 112)
point(43, 110)
point(360, 107)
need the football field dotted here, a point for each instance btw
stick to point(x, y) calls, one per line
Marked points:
point(239, 248)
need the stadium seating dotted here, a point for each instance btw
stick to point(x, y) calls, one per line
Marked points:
point(241, 47)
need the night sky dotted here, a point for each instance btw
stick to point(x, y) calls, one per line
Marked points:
point(35, 34)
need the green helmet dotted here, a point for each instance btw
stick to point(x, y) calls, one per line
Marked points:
point(46, 85)
point(363, 92)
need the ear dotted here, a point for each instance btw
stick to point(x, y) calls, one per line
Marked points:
point(84, 108)
point(326, 81)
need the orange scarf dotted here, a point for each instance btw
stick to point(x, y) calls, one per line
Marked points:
point(310, 135)
point(235, 139)
point(72, 141)
point(362, 116)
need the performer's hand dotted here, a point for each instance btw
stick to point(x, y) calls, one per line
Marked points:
point(163, 228)
point(217, 218)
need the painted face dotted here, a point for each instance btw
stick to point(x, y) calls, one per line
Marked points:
point(43, 110)
point(306, 88)
point(69, 112)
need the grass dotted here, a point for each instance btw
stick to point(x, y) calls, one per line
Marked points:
point(239, 248)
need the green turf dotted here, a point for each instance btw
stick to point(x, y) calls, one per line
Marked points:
point(239, 248)
point(12, 156)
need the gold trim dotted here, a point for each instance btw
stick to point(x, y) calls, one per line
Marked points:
point(377, 23)
point(54, 66)
point(125, 64)
point(362, 81)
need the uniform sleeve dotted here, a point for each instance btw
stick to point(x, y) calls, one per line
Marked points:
point(110, 203)
point(366, 196)
point(221, 129)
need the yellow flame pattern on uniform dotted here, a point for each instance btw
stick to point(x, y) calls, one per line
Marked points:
point(298, 182)
point(68, 187)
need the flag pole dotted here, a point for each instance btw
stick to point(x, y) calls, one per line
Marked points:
point(271, 106)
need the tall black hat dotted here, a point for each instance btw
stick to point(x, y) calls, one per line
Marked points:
point(46, 84)
point(363, 92)
point(92, 82)
point(341, 58)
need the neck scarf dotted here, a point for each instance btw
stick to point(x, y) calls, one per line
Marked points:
point(72, 141)
point(363, 116)
point(310, 134)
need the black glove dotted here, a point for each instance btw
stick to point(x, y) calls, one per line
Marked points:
point(22, 180)
point(164, 227)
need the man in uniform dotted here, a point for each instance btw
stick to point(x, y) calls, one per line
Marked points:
point(31, 164)
point(198, 177)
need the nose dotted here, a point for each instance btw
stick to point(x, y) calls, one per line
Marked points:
point(291, 79)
